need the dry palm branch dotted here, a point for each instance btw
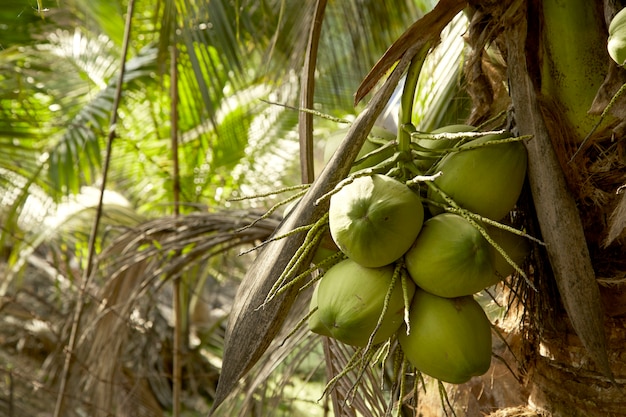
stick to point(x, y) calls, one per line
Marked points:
point(123, 332)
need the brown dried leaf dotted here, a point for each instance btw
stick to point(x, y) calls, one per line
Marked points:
point(617, 221)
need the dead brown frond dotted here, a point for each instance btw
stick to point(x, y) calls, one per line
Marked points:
point(32, 316)
point(267, 385)
point(123, 358)
point(356, 390)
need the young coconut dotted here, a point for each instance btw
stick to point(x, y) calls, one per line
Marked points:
point(350, 300)
point(516, 247)
point(450, 258)
point(375, 219)
point(314, 322)
point(450, 338)
point(427, 158)
point(486, 180)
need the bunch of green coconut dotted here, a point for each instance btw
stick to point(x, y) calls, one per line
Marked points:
point(416, 252)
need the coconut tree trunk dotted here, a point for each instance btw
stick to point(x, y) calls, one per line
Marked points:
point(568, 354)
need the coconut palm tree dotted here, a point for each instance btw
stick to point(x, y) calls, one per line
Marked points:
point(546, 63)
point(543, 62)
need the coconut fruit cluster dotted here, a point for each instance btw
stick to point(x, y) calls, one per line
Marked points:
point(406, 253)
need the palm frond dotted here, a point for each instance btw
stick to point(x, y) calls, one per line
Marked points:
point(34, 222)
point(439, 100)
point(77, 152)
point(266, 388)
point(209, 44)
point(138, 265)
point(101, 16)
point(21, 23)
point(60, 120)
point(354, 36)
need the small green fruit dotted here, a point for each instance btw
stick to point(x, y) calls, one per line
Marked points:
point(427, 158)
point(616, 44)
point(516, 247)
point(450, 338)
point(450, 258)
point(486, 180)
point(350, 300)
point(375, 219)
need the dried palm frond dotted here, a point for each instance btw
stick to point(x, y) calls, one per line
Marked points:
point(124, 335)
point(266, 384)
point(265, 387)
point(369, 400)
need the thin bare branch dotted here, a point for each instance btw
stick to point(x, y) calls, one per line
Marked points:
point(180, 336)
point(307, 88)
point(94, 232)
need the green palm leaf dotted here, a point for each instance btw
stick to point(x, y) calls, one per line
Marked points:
point(76, 155)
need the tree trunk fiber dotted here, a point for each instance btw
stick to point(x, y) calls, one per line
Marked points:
point(548, 370)
point(580, 352)
point(564, 382)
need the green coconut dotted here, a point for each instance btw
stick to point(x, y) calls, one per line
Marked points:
point(516, 247)
point(350, 301)
point(616, 43)
point(431, 148)
point(450, 258)
point(486, 180)
point(375, 219)
point(314, 322)
point(449, 339)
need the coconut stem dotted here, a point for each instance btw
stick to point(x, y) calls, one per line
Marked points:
point(408, 97)
point(573, 65)
point(556, 209)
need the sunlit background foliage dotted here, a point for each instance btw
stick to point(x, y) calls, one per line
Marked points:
point(238, 65)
